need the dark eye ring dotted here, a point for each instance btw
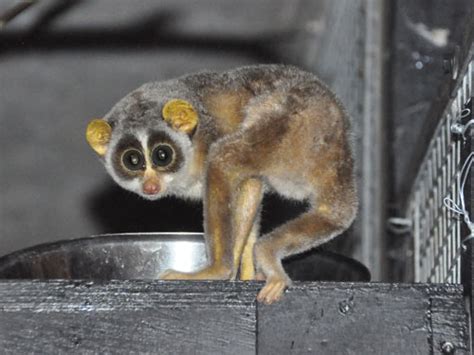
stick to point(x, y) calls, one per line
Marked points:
point(162, 155)
point(133, 160)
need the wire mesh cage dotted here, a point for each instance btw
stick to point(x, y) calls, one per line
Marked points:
point(437, 230)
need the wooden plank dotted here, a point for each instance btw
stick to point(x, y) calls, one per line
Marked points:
point(223, 318)
point(359, 319)
point(449, 324)
point(127, 316)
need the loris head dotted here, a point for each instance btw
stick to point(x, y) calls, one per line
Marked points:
point(146, 145)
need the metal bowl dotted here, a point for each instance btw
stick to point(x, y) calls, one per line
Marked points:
point(146, 255)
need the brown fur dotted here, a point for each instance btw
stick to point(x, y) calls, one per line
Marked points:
point(227, 109)
point(247, 265)
point(246, 206)
point(278, 137)
point(264, 126)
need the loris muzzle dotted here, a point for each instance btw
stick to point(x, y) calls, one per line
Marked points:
point(227, 138)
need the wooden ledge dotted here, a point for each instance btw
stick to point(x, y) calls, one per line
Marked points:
point(223, 318)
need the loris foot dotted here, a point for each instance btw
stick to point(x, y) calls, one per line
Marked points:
point(209, 273)
point(174, 275)
point(273, 290)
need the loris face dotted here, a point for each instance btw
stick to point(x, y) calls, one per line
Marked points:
point(150, 164)
point(150, 158)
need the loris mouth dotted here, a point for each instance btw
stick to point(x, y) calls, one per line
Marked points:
point(151, 197)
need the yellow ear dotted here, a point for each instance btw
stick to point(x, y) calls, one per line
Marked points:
point(98, 134)
point(181, 115)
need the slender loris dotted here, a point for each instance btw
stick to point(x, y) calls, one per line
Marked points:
point(226, 138)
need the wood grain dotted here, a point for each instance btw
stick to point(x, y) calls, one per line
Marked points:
point(222, 318)
point(127, 317)
point(361, 319)
point(449, 323)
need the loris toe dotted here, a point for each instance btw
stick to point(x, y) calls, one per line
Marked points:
point(272, 291)
point(172, 275)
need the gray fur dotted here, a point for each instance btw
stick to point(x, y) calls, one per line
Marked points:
point(265, 126)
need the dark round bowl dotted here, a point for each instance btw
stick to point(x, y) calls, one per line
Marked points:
point(146, 255)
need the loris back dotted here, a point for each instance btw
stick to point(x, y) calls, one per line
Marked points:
point(226, 138)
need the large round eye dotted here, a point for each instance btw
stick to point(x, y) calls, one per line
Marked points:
point(133, 159)
point(162, 155)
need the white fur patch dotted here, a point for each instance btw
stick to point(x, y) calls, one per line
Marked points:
point(290, 189)
point(168, 178)
point(143, 139)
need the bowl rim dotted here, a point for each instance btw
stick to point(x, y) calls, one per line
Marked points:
point(197, 237)
point(104, 238)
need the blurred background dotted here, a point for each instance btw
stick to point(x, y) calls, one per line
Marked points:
point(63, 62)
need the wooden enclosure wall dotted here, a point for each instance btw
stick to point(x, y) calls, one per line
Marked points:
point(223, 318)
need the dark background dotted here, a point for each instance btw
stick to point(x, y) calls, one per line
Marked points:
point(65, 62)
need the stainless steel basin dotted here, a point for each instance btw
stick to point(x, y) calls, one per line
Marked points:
point(146, 255)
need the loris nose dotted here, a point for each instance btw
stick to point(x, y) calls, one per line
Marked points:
point(151, 187)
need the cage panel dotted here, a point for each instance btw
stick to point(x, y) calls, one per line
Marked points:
point(435, 228)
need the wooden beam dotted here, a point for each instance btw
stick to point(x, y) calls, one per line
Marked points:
point(127, 317)
point(223, 318)
point(364, 319)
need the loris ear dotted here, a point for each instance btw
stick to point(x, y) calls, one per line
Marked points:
point(181, 115)
point(98, 134)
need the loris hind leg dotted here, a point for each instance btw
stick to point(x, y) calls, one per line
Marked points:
point(309, 230)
